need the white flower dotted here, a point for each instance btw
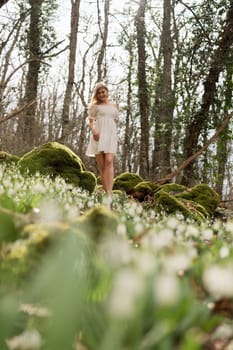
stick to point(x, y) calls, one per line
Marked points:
point(145, 261)
point(163, 239)
point(224, 252)
point(207, 234)
point(127, 288)
point(177, 262)
point(121, 229)
point(116, 251)
point(138, 227)
point(49, 211)
point(192, 231)
point(39, 188)
point(172, 222)
point(107, 200)
point(229, 226)
point(218, 280)
point(166, 289)
point(28, 340)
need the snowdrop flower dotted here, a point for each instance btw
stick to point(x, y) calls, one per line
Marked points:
point(163, 239)
point(7, 182)
point(127, 288)
point(224, 252)
point(50, 212)
point(121, 230)
point(207, 234)
point(192, 231)
point(116, 251)
point(166, 289)
point(177, 262)
point(229, 226)
point(39, 188)
point(181, 229)
point(107, 200)
point(138, 228)
point(172, 222)
point(90, 203)
point(145, 261)
point(139, 210)
point(28, 340)
point(218, 280)
point(11, 192)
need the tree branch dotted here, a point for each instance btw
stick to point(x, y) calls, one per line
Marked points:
point(17, 111)
point(198, 153)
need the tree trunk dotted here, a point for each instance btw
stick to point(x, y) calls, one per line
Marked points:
point(126, 149)
point(72, 59)
point(27, 124)
point(219, 60)
point(225, 137)
point(101, 71)
point(3, 2)
point(164, 119)
point(142, 90)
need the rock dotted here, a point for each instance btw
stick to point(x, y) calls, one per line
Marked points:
point(55, 159)
point(126, 182)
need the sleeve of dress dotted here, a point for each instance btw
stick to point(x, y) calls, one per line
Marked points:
point(92, 112)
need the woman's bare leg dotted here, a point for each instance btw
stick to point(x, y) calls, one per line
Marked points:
point(108, 171)
point(100, 159)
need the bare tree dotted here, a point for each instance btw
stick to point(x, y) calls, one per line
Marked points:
point(72, 59)
point(101, 71)
point(27, 125)
point(142, 89)
point(164, 117)
point(220, 57)
point(3, 2)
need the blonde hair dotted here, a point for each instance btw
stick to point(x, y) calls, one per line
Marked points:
point(98, 86)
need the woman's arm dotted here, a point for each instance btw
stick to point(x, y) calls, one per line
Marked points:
point(95, 132)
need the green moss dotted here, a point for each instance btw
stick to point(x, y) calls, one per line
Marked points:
point(99, 180)
point(165, 202)
point(197, 209)
point(173, 188)
point(8, 158)
point(144, 189)
point(126, 182)
point(54, 159)
point(87, 180)
point(98, 222)
point(204, 195)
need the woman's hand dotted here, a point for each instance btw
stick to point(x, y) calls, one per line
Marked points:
point(96, 135)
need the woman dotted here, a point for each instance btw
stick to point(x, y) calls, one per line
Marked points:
point(103, 116)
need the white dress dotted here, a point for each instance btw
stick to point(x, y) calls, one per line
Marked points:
point(105, 117)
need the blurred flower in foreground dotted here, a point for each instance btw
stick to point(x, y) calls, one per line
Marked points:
point(224, 252)
point(166, 289)
point(50, 212)
point(28, 340)
point(218, 280)
point(127, 288)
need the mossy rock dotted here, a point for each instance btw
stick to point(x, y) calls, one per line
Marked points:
point(99, 180)
point(8, 158)
point(144, 189)
point(197, 209)
point(99, 222)
point(165, 202)
point(203, 195)
point(55, 159)
point(126, 182)
point(87, 181)
point(173, 188)
point(9, 230)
